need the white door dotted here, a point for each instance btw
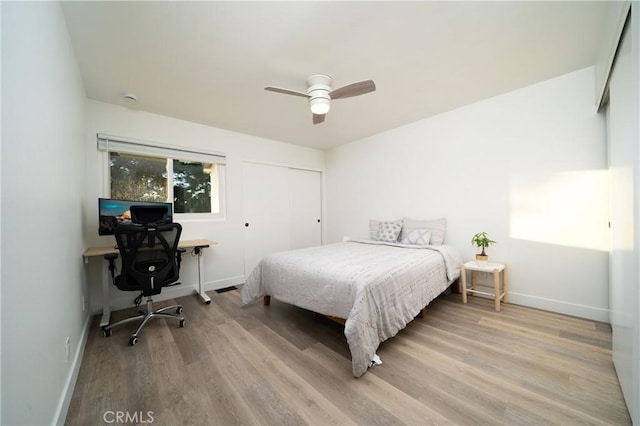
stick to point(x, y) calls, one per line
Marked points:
point(623, 152)
point(265, 211)
point(305, 207)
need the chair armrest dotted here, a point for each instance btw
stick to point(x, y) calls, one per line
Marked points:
point(179, 254)
point(111, 257)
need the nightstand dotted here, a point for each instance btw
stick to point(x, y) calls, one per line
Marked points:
point(497, 269)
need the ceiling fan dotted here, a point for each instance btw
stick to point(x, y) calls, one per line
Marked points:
point(320, 93)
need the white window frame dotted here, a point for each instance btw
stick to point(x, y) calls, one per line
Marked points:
point(109, 143)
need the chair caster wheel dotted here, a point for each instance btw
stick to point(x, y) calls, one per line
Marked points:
point(181, 325)
point(179, 310)
point(106, 332)
point(133, 340)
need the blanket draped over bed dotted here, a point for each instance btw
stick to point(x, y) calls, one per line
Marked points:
point(378, 288)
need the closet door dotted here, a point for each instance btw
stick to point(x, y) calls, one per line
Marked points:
point(305, 207)
point(266, 212)
point(623, 154)
point(282, 210)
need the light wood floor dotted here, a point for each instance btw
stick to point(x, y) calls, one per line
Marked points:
point(462, 364)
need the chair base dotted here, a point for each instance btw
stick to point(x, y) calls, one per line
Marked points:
point(144, 317)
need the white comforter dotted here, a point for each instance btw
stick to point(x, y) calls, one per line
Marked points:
point(378, 288)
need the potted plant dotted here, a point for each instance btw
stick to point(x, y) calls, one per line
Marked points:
point(482, 240)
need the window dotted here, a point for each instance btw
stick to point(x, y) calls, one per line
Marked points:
point(192, 187)
point(138, 178)
point(193, 181)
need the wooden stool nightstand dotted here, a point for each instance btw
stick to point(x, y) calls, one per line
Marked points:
point(496, 269)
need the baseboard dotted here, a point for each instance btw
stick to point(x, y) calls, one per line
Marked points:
point(562, 307)
point(125, 299)
point(227, 282)
point(70, 384)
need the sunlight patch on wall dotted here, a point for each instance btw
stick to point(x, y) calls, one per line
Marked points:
point(568, 208)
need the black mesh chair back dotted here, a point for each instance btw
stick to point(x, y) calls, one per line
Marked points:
point(149, 255)
point(149, 215)
point(150, 261)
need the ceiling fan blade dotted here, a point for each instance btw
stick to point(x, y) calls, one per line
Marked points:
point(286, 91)
point(354, 89)
point(317, 119)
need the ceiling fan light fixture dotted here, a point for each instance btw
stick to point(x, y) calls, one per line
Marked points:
point(320, 106)
point(320, 93)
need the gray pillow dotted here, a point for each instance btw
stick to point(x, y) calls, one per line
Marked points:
point(437, 227)
point(374, 227)
point(389, 231)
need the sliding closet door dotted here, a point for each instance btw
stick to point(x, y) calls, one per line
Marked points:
point(305, 205)
point(624, 154)
point(282, 210)
point(266, 212)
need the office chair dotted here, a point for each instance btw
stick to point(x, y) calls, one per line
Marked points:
point(150, 261)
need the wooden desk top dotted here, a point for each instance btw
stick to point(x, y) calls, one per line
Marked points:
point(186, 244)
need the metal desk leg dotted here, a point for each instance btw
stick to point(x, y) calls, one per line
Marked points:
point(106, 306)
point(205, 298)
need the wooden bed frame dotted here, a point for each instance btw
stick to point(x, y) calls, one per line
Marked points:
point(266, 301)
point(455, 287)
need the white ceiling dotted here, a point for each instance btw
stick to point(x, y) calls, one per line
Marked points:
point(208, 62)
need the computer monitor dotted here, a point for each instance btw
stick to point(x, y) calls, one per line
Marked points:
point(113, 212)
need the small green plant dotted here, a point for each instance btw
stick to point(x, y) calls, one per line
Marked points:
point(481, 239)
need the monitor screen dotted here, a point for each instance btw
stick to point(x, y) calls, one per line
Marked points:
point(113, 212)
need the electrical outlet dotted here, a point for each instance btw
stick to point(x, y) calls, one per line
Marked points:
point(67, 349)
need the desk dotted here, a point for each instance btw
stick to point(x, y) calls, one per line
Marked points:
point(197, 245)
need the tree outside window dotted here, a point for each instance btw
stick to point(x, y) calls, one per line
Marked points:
point(138, 178)
point(193, 186)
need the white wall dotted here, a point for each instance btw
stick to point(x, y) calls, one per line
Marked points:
point(224, 263)
point(42, 189)
point(528, 167)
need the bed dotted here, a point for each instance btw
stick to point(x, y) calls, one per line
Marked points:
point(377, 287)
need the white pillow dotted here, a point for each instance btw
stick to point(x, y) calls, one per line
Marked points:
point(437, 227)
point(419, 237)
point(374, 226)
point(389, 231)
